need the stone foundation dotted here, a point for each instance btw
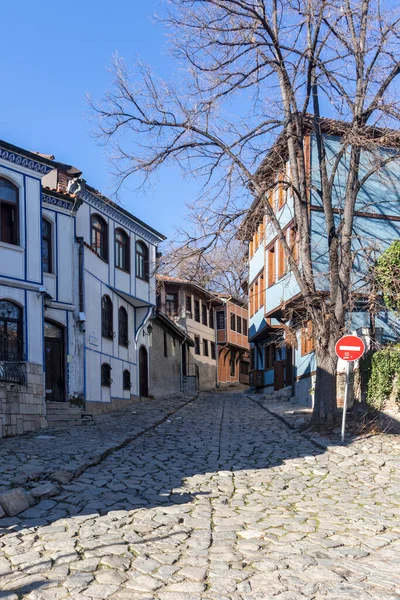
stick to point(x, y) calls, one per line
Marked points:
point(22, 407)
point(99, 408)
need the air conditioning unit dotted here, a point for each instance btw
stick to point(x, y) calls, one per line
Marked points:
point(257, 378)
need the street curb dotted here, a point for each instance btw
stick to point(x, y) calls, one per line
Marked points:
point(97, 459)
point(290, 426)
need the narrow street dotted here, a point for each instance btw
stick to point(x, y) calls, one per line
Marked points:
point(220, 501)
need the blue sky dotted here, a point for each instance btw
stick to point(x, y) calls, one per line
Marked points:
point(53, 54)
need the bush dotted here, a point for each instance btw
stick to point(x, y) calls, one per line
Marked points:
point(382, 372)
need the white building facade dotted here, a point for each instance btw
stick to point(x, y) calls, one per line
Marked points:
point(77, 287)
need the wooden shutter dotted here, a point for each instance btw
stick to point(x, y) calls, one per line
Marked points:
point(271, 266)
point(281, 260)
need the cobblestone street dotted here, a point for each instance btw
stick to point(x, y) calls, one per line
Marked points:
point(220, 501)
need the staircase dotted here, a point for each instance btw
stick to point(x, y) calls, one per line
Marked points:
point(64, 414)
point(283, 395)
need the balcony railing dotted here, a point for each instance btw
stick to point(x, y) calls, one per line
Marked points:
point(12, 369)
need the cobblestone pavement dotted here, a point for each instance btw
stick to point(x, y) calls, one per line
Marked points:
point(221, 501)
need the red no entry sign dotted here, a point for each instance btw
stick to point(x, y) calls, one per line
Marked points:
point(350, 347)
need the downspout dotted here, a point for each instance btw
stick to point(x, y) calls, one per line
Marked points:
point(216, 346)
point(81, 280)
point(182, 344)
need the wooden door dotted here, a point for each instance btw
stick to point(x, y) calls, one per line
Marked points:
point(279, 375)
point(143, 373)
point(289, 366)
point(55, 391)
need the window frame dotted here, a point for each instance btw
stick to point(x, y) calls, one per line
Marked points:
point(107, 320)
point(205, 347)
point(204, 319)
point(197, 345)
point(18, 322)
point(126, 376)
point(15, 216)
point(142, 261)
point(106, 380)
point(239, 324)
point(220, 320)
point(102, 232)
point(233, 321)
point(125, 246)
point(197, 310)
point(188, 306)
point(172, 305)
point(123, 336)
point(49, 241)
point(213, 351)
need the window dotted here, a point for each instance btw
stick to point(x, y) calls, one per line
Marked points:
point(211, 318)
point(220, 319)
point(11, 347)
point(100, 237)
point(239, 324)
point(205, 347)
point(197, 311)
point(107, 329)
point(165, 345)
point(196, 344)
point(232, 363)
point(106, 375)
point(281, 260)
point(307, 339)
point(244, 326)
point(126, 380)
point(122, 327)
point(269, 356)
point(171, 304)
point(46, 246)
point(204, 314)
point(213, 355)
point(142, 261)
point(233, 322)
point(188, 305)
point(271, 266)
point(8, 212)
point(122, 250)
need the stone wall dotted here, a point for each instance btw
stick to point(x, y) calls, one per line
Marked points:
point(22, 407)
point(164, 371)
point(99, 408)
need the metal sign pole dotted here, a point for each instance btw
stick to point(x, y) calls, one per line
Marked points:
point(346, 396)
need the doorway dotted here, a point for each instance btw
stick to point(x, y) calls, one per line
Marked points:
point(143, 373)
point(55, 362)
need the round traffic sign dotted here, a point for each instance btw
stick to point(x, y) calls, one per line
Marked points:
point(350, 347)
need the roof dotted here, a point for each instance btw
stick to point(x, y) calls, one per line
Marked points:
point(172, 326)
point(122, 210)
point(233, 299)
point(45, 159)
point(188, 283)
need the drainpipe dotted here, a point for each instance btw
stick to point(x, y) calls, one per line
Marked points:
point(81, 282)
point(182, 345)
point(216, 347)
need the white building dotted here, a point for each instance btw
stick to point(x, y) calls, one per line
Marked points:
point(76, 290)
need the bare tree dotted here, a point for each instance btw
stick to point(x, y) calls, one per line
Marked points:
point(257, 75)
point(224, 270)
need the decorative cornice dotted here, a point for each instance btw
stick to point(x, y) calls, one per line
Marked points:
point(27, 163)
point(57, 202)
point(115, 214)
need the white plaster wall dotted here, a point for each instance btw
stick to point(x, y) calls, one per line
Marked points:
point(33, 230)
point(65, 254)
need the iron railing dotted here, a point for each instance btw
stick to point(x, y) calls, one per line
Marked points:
point(12, 368)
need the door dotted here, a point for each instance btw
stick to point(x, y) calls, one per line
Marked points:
point(289, 366)
point(279, 375)
point(55, 363)
point(143, 373)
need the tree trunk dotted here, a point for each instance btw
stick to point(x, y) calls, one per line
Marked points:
point(325, 406)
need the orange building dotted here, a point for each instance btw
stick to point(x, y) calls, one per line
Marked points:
point(233, 346)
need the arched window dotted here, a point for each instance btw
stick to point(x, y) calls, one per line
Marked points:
point(122, 327)
point(46, 246)
point(8, 212)
point(11, 346)
point(122, 250)
point(142, 261)
point(106, 375)
point(127, 380)
point(100, 237)
point(107, 329)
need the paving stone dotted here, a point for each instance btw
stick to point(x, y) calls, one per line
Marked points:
point(14, 502)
